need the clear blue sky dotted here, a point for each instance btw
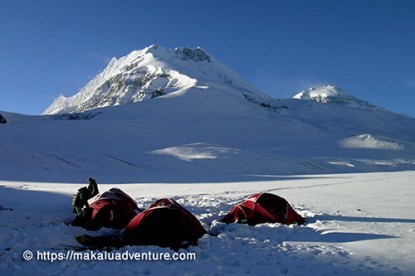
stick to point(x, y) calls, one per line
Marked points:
point(53, 47)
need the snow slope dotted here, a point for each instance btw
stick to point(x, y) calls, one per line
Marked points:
point(360, 224)
point(209, 131)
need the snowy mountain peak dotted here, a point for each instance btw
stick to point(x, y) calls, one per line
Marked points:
point(151, 72)
point(331, 94)
point(324, 94)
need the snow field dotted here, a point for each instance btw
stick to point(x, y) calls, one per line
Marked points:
point(356, 224)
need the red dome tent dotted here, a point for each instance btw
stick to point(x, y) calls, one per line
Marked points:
point(262, 208)
point(165, 223)
point(112, 209)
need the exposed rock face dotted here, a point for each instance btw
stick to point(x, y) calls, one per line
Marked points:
point(2, 120)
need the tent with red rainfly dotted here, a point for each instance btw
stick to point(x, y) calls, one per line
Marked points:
point(262, 208)
point(165, 223)
point(112, 209)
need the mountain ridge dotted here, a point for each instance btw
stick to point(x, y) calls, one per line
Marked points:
point(148, 73)
point(157, 71)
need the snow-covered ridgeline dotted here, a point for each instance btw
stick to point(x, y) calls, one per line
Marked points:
point(148, 73)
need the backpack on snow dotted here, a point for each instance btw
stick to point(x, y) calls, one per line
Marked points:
point(80, 199)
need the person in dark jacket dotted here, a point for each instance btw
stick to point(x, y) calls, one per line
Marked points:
point(80, 199)
point(92, 187)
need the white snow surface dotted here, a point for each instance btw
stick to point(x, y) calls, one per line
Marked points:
point(360, 224)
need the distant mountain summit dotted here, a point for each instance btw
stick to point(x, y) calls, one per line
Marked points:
point(333, 95)
point(156, 71)
point(152, 72)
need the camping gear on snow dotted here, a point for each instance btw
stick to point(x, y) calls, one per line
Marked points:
point(112, 209)
point(165, 223)
point(262, 208)
point(80, 200)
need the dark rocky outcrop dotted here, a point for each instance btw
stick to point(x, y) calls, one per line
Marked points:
point(2, 120)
